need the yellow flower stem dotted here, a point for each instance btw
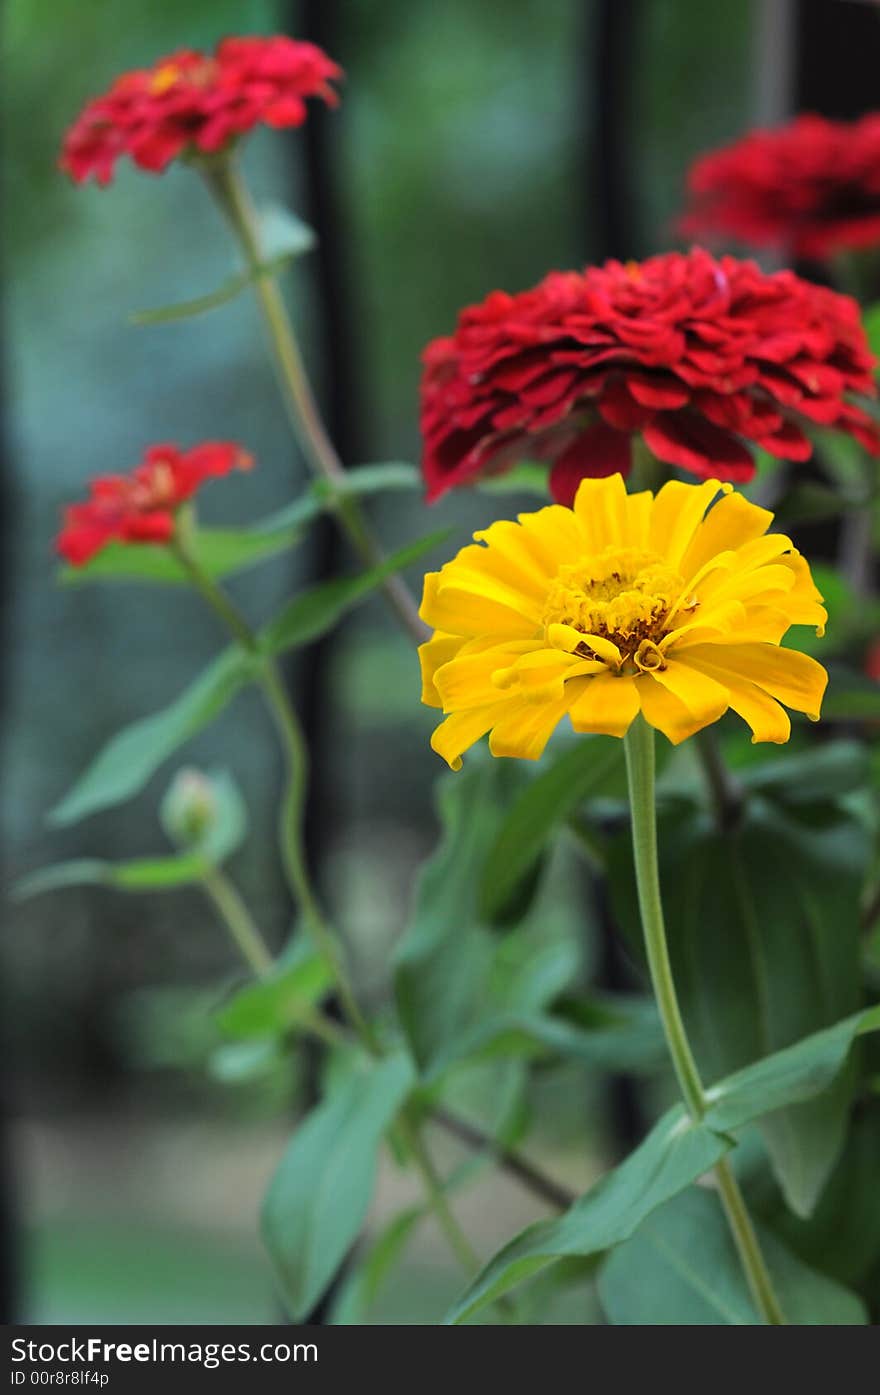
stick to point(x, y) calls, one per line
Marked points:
point(227, 186)
point(639, 746)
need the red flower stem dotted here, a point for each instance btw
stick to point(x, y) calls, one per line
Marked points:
point(640, 767)
point(225, 183)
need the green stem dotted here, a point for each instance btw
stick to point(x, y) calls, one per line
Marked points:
point(293, 804)
point(237, 919)
point(639, 746)
point(726, 794)
point(227, 186)
point(433, 1184)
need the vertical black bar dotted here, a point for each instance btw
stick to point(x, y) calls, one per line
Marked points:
point(9, 1297)
point(610, 71)
point(837, 57)
point(333, 360)
point(608, 58)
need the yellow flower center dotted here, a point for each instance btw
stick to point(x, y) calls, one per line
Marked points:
point(624, 595)
point(164, 78)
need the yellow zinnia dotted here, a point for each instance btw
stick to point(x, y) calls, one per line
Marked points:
point(672, 605)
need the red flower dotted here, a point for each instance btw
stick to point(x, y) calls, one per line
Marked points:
point(140, 507)
point(694, 355)
point(812, 187)
point(872, 661)
point(194, 101)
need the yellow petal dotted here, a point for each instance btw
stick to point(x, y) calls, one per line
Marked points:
point(469, 680)
point(702, 695)
point(520, 551)
point(526, 727)
point(787, 675)
point(438, 650)
point(677, 514)
point(667, 713)
point(465, 612)
point(731, 523)
point(602, 507)
point(768, 721)
point(460, 731)
point(607, 705)
point(556, 535)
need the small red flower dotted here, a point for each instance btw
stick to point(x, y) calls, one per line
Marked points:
point(872, 661)
point(696, 356)
point(811, 187)
point(140, 507)
point(198, 102)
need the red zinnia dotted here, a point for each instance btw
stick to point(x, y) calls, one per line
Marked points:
point(197, 101)
point(140, 507)
point(812, 187)
point(693, 354)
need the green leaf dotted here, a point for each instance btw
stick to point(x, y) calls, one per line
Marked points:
point(139, 874)
point(812, 776)
point(318, 1198)
point(851, 697)
point(283, 237)
point(788, 1077)
point(871, 324)
point(314, 612)
point(675, 1153)
point(277, 1003)
point(221, 552)
point(365, 1281)
point(809, 502)
point(525, 478)
point(842, 1236)
point(681, 1268)
point(443, 959)
point(763, 934)
point(133, 755)
point(359, 482)
point(583, 769)
point(624, 1036)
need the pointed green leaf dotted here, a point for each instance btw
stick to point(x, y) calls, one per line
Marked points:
point(675, 1154)
point(624, 1037)
point(360, 482)
point(221, 552)
point(788, 1077)
point(763, 927)
point(314, 612)
point(277, 1003)
point(365, 1281)
point(134, 754)
point(138, 874)
point(681, 1268)
point(318, 1198)
point(283, 237)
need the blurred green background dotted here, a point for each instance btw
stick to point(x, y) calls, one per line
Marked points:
point(466, 155)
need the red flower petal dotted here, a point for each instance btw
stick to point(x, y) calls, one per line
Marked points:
point(686, 440)
point(599, 452)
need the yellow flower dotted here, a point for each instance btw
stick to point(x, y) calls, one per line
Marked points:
point(673, 606)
